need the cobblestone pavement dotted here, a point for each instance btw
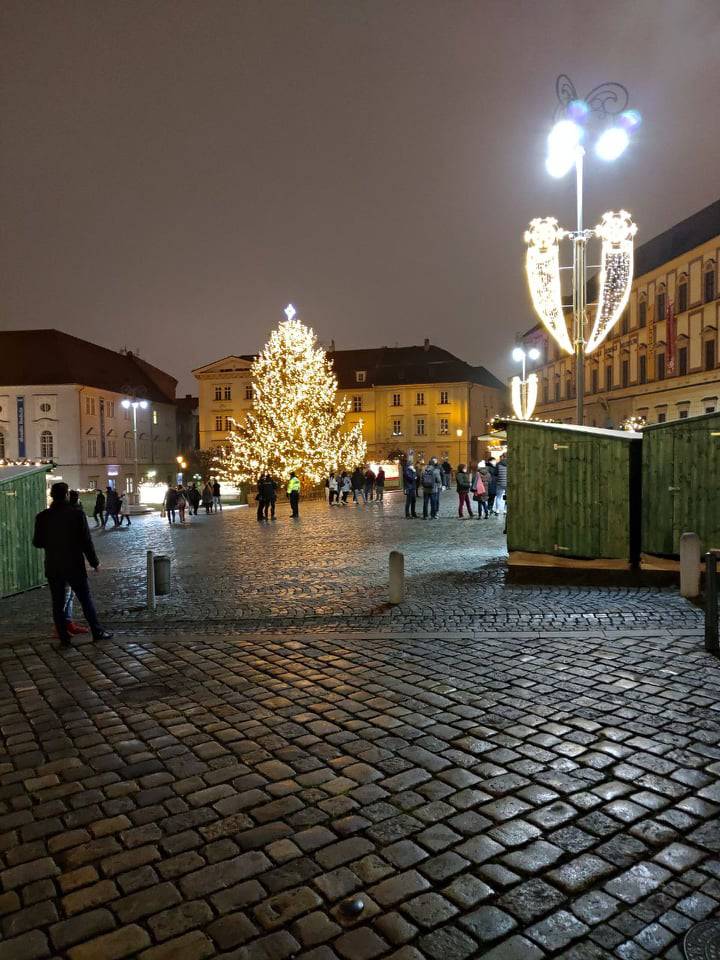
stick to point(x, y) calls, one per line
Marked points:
point(213, 793)
point(330, 568)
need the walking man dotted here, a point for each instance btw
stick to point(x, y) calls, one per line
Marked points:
point(99, 508)
point(410, 484)
point(369, 484)
point(62, 532)
point(380, 485)
point(217, 503)
point(293, 491)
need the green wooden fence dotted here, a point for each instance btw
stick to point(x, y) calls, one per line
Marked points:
point(22, 496)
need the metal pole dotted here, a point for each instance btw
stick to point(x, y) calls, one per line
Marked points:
point(579, 285)
point(711, 603)
point(135, 493)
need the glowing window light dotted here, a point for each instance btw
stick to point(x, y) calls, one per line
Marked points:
point(543, 272)
point(524, 396)
point(616, 230)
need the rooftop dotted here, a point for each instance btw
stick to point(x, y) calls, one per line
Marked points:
point(50, 357)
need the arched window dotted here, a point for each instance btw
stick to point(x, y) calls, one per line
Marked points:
point(2, 445)
point(642, 311)
point(709, 282)
point(47, 447)
point(682, 296)
point(660, 302)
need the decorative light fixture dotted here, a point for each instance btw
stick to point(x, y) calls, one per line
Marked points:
point(290, 311)
point(524, 390)
point(608, 101)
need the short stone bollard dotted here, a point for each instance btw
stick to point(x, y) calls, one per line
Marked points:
point(150, 581)
point(162, 575)
point(397, 577)
point(690, 565)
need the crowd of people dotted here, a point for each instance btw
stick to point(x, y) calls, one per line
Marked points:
point(109, 506)
point(180, 500)
point(485, 485)
point(366, 486)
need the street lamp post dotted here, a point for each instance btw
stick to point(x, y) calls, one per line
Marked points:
point(524, 389)
point(606, 103)
point(134, 404)
point(458, 434)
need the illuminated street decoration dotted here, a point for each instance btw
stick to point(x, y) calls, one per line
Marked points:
point(542, 264)
point(297, 421)
point(616, 231)
point(524, 396)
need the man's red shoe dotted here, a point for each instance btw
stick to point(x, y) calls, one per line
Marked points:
point(75, 628)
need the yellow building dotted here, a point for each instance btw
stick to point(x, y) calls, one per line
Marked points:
point(661, 360)
point(419, 398)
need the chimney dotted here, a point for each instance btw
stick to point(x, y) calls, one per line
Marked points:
point(332, 346)
point(188, 396)
point(426, 345)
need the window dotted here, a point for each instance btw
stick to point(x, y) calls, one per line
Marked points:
point(660, 366)
point(218, 423)
point(546, 391)
point(682, 297)
point(228, 424)
point(708, 409)
point(660, 303)
point(642, 312)
point(129, 450)
point(683, 414)
point(682, 361)
point(444, 426)
point(111, 409)
point(568, 387)
point(709, 282)
point(420, 427)
point(360, 376)
point(126, 413)
point(608, 378)
point(594, 377)
point(396, 400)
point(357, 404)
point(625, 322)
point(92, 447)
point(218, 392)
point(625, 373)
point(111, 448)
point(419, 399)
point(90, 406)
point(227, 392)
point(709, 354)
point(443, 396)
point(642, 368)
point(557, 389)
point(397, 428)
point(662, 417)
point(248, 391)
point(129, 484)
point(155, 417)
point(47, 447)
point(2, 445)
point(92, 484)
point(45, 408)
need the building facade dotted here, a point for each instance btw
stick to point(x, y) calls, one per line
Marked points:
point(661, 360)
point(419, 398)
point(61, 400)
point(187, 413)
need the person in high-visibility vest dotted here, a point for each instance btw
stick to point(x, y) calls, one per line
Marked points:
point(293, 490)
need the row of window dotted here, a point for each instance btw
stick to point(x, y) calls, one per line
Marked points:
point(420, 422)
point(709, 289)
point(223, 391)
point(661, 371)
point(47, 445)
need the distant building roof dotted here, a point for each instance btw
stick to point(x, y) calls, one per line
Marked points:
point(53, 357)
point(386, 366)
point(187, 404)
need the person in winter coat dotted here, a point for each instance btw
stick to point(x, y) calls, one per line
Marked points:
point(501, 486)
point(345, 487)
point(357, 482)
point(123, 508)
point(293, 492)
point(369, 484)
point(480, 484)
point(112, 505)
point(217, 502)
point(181, 502)
point(170, 503)
point(446, 470)
point(431, 479)
point(99, 508)
point(462, 484)
point(333, 494)
point(72, 627)
point(380, 485)
point(62, 532)
point(270, 489)
point(194, 499)
point(492, 486)
point(207, 498)
point(410, 487)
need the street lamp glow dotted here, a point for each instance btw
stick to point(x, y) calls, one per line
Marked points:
point(517, 354)
point(534, 353)
point(612, 143)
point(125, 403)
point(557, 165)
point(563, 147)
point(143, 404)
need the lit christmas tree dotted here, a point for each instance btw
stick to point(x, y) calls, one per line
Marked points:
point(296, 423)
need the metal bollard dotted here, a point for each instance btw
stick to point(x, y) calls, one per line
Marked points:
point(150, 581)
point(711, 602)
point(162, 575)
point(689, 565)
point(397, 577)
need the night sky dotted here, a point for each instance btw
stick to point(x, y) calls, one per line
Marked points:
point(173, 173)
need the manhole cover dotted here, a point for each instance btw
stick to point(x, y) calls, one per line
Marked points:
point(702, 942)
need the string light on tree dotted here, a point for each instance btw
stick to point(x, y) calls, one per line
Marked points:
point(297, 421)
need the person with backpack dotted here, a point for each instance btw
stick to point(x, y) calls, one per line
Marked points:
point(432, 483)
point(462, 484)
point(410, 485)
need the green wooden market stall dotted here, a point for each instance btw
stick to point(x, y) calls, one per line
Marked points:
point(681, 484)
point(573, 495)
point(22, 496)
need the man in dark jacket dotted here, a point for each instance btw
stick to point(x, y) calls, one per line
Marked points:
point(99, 508)
point(62, 532)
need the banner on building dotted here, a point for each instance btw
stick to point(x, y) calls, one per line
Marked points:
point(102, 427)
point(22, 447)
point(670, 338)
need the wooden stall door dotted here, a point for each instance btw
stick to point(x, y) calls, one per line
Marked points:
point(9, 541)
point(660, 489)
point(577, 498)
point(696, 486)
